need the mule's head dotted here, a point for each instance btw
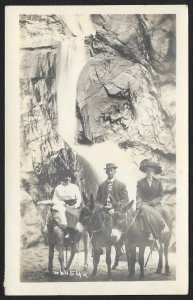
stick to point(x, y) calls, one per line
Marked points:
point(90, 216)
point(58, 211)
point(120, 222)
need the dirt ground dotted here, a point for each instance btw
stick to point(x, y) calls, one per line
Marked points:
point(34, 267)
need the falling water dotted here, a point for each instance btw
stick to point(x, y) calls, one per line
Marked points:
point(72, 60)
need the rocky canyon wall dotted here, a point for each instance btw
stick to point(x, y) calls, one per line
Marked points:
point(45, 156)
point(125, 94)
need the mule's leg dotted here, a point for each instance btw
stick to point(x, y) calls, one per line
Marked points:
point(128, 254)
point(96, 259)
point(116, 260)
point(61, 259)
point(72, 253)
point(160, 263)
point(132, 261)
point(108, 261)
point(86, 243)
point(141, 260)
point(51, 257)
point(166, 246)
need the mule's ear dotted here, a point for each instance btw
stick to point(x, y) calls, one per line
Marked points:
point(85, 198)
point(92, 202)
point(127, 206)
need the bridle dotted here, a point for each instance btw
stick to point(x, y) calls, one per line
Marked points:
point(128, 226)
point(96, 230)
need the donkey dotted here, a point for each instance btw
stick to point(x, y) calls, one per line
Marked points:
point(129, 226)
point(61, 236)
point(99, 225)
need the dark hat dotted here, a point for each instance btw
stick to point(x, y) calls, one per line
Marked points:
point(64, 173)
point(67, 173)
point(110, 166)
point(146, 163)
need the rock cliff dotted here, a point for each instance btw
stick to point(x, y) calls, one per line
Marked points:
point(44, 154)
point(125, 94)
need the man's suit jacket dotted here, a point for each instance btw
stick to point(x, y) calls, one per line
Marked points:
point(152, 194)
point(119, 194)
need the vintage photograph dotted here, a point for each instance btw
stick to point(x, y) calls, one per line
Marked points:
point(97, 147)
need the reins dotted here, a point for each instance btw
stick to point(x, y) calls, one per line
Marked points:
point(137, 212)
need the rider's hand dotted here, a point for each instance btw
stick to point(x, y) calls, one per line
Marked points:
point(76, 206)
point(108, 206)
point(111, 211)
point(139, 204)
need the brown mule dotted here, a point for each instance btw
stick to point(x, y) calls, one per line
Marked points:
point(128, 225)
point(99, 226)
point(60, 236)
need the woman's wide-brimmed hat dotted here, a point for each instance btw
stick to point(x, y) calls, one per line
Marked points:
point(110, 166)
point(146, 163)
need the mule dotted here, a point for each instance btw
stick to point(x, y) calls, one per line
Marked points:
point(60, 236)
point(99, 226)
point(128, 225)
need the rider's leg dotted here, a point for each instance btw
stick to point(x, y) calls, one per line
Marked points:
point(166, 217)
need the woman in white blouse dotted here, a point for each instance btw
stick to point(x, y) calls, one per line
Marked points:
point(68, 192)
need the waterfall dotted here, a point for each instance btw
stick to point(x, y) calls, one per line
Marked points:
point(72, 60)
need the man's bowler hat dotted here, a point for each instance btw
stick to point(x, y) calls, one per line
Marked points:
point(110, 166)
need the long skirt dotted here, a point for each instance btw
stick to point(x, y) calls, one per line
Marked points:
point(152, 220)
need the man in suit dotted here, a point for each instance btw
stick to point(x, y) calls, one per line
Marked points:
point(112, 195)
point(149, 196)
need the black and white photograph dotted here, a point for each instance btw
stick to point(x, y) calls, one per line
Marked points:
point(97, 123)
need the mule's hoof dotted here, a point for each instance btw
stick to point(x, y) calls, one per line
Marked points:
point(114, 267)
point(158, 271)
point(109, 276)
point(130, 276)
point(93, 275)
point(142, 276)
point(167, 270)
point(49, 273)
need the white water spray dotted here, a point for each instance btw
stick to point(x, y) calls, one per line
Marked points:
point(73, 59)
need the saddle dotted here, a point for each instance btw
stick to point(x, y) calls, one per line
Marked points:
point(151, 221)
